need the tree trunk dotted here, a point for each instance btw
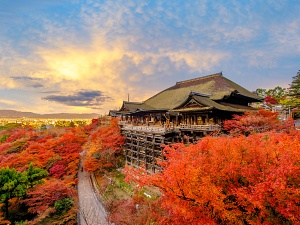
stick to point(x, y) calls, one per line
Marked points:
point(6, 207)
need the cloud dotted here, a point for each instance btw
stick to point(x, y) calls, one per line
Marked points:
point(7, 102)
point(6, 82)
point(134, 47)
point(29, 81)
point(286, 36)
point(85, 98)
point(49, 92)
point(260, 58)
point(120, 69)
point(197, 61)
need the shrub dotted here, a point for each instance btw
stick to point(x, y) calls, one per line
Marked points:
point(3, 138)
point(63, 205)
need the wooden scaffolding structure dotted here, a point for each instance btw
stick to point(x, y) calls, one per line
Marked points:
point(144, 149)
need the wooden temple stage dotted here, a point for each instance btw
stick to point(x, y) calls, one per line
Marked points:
point(144, 144)
point(184, 112)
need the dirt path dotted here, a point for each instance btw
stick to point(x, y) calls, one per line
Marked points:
point(91, 211)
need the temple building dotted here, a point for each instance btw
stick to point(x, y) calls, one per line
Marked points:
point(184, 113)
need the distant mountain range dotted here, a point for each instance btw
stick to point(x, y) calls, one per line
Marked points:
point(18, 114)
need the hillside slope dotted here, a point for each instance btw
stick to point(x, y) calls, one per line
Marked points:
point(19, 114)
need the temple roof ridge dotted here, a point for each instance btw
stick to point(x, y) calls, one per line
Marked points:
point(200, 78)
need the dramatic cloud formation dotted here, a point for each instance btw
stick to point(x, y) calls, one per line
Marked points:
point(73, 56)
point(90, 99)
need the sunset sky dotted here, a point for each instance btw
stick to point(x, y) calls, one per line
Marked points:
point(87, 56)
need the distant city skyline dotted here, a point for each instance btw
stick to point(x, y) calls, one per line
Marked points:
point(88, 56)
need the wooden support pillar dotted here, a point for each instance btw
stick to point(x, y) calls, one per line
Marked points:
point(153, 148)
point(153, 156)
point(131, 148)
point(138, 151)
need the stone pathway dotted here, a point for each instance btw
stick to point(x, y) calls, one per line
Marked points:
point(91, 211)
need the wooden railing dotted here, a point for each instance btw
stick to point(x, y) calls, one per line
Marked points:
point(209, 127)
point(151, 129)
point(122, 123)
point(164, 129)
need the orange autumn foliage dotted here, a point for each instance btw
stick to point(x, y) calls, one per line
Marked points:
point(257, 122)
point(17, 134)
point(55, 150)
point(230, 180)
point(104, 148)
point(91, 164)
point(43, 149)
point(44, 196)
point(136, 210)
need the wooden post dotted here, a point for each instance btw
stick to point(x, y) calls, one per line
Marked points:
point(153, 155)
point(138, 151)
point(153, 146)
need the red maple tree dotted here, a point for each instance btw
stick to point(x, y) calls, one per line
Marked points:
point(227, 180)
point(257, 122)
point(44, 196)
point(104, 148)
point(270, 100)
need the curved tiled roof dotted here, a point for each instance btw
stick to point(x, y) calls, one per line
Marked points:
point(206, 103)
point(130, 106)
point(215, 85)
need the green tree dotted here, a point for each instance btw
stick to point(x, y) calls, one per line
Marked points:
point(12, 184)
point(292, 96)
point(4, 137)
point(63, 205)
point(278, 93)
point(15, 184)
point(35, 175)
point(43, 127)
point(72, 124)
point(261, 92)
point(294, 90)
point(10, 126)
point(80, 122)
